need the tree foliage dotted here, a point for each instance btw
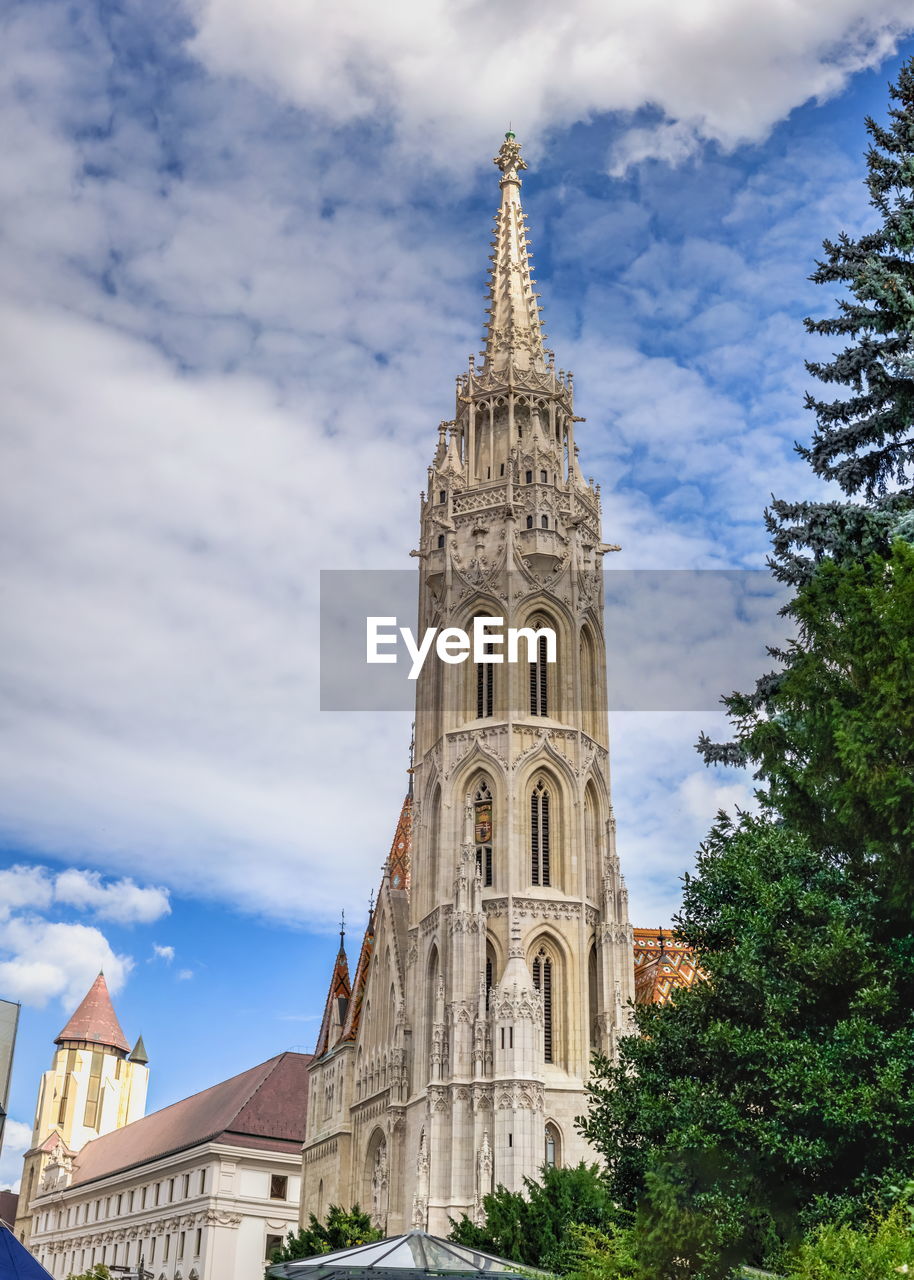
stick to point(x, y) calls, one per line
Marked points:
point(533, 1227)
point(778, 1092)
point(343, 1229)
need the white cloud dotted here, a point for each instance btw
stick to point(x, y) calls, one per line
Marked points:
point(24, 886)
point(185, 975)
point(122, 901)
point(446, 73)
point(163, 953)
point(17, 1138)
point(42, 960)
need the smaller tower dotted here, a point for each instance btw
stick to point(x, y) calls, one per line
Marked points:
point(95, 1084)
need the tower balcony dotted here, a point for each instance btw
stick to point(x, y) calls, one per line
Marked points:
point(543, 548)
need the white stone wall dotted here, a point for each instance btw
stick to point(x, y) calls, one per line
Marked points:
point(204, 1214)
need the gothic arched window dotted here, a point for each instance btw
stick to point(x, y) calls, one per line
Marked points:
point(528, 477)
point(539, 834)
point(482, 830)
point(544, 521)
point(539, 673)
point(542, 980)
point(529, 522)
point(485, 685)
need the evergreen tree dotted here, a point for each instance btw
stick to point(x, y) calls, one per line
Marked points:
point(864, 440)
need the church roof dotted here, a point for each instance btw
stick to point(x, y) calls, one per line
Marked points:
point(359, 983)
point(264, 1107)
point(398, 860)
point(513, 331)
point(16, 1263)
point(340, 989)
point(95, 1021)
point(663, 964)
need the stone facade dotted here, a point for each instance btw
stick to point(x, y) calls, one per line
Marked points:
point(499, 954)
point(202, 1214)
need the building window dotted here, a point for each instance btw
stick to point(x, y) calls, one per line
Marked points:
point(483, 830)
point(543, 477)
point(185, 1186)
point(181, 1244)
point(171, 1190)
point(442, 497)
point(166, 1242)
point(198, 1242)
point(528, 477)
point(489, 976)
point(67, 1081)
point(120, 1201)
point(143, 1198)
point(94, 1092)
point(279, 1186)
point(542, 980)
point(501, 469)
point(157, 1192)
point(272, 1244)
point(130, 1201)
point(202, 1181)
point(544, 521)
point(539, 834)
point(440, 540)
point(529, 522)
point(539, 677)
point(485, 683)
point(152, 1249)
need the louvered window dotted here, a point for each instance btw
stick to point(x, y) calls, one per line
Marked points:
point(542, 980)
point(539, 678)
point(539, 834)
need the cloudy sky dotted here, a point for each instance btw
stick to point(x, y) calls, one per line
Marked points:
point(243, 252)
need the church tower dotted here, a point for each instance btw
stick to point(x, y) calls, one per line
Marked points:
point(95, 1084)
point(507, 947)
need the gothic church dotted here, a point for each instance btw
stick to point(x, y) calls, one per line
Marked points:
point(499, 954)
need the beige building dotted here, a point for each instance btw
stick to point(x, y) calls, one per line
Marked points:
point(201, 1190)
point(499, 954)
point(96, 1084)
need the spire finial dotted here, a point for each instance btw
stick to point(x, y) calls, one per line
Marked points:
point(371, 904)
point(342, 931)
point(509, 159)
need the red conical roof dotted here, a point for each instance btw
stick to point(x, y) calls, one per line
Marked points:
point(95, 1020)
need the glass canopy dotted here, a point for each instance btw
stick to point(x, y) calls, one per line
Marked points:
point(415, 1252)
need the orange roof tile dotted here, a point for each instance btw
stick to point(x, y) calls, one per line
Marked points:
point(340, 988)
point(662, 965)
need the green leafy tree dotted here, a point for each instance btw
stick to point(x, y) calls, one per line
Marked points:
point(98, 1272)
point(533, 1227)
point(778, 1092)
point(343, 1229)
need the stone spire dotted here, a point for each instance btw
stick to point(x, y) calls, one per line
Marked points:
point(95, 1021)
point(514, 336)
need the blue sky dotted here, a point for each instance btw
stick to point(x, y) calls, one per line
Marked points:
point(244, 251)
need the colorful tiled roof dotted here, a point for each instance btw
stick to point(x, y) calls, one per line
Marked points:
point(265, 1107)
point(398, 860)
point(95, 1021)
point(359, 983)
point(662, 964)
point(340, 989)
